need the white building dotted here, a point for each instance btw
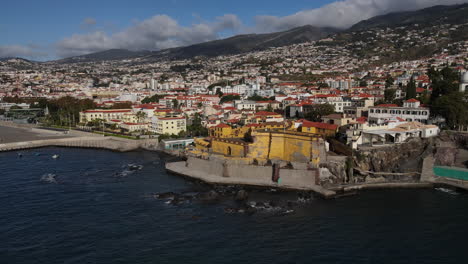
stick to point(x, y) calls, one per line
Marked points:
point(241, 89)
point(464, 82)
point(241, 105)
point(411, 111)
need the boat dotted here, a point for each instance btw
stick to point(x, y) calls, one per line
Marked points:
point(55, 156)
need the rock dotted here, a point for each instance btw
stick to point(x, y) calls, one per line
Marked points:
point(166, 195)
point(445, 156)
point(241, 195)
point(209, 196)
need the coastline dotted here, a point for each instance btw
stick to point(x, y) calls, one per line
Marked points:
point(29, 137)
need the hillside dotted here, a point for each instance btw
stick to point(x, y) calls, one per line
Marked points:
point(112, 54)
point(229, 46)
point(246, 43)
point(435, 15)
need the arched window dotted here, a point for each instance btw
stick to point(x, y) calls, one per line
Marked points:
point(229, 151)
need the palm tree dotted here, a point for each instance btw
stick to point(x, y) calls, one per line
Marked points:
point(140, 115)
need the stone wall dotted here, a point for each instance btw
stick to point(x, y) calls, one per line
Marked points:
point(225, 171)
point(84, 142)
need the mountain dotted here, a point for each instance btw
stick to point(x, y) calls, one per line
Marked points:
point(435, 15)
point(246, 43)
point(229, 46)
point(112, 54)
point(424, 18)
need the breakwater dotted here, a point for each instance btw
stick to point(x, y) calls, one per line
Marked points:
point(109, 143)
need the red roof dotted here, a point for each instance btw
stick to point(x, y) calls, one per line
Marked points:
point(361, 119)
point(306, 123)
point(412, 100)
point(387, 105)
point(107, 111)
point(222, 125)
point(171, 118)
point(230, 108)
point(265, 113)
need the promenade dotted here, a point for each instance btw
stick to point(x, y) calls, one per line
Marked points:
point(17, 137)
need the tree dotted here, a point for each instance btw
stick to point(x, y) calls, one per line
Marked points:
point(153, 99)
point(140, 115)
point(443, 82)
point(248, 136)
point(454, 108)
point(269, 108)
point(323, 85)
point(411, 89)
point(389, 81)
point(123, 105)
point(196, 128)
point(316, 112)
point(389, 95)
point(175, 103)
point(182, 134)
point(229, 98)
point(362, 83)
point(256, 97)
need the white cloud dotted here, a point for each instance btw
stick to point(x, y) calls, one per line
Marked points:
point(162, 31)
point(155, 33)
point(30, 51)
point(343, 14)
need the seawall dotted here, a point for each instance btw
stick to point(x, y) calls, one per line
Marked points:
point(109, 143)
point(225, 171)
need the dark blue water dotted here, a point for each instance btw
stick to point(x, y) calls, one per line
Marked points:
point(93, 213)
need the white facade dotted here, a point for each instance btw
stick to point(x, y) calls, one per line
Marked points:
point(241, 105)
point(464, 82)
point(242, 89)
point(411, 111)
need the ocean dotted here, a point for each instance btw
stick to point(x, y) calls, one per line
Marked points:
point(96, 206)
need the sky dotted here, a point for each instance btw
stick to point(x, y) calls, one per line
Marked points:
point(52, 29)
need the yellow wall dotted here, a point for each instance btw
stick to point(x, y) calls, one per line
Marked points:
point(289, 146)
point(222, 147)
point(318, 131)
point(221, 132)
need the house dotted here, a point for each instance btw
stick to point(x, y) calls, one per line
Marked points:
point(410, 111)
point(323, 129)
point(337, 119)
point(132, 127)
point(169, 125)
point(126, 115)
point(175, 144)
point(264, 116)
point(220, 131)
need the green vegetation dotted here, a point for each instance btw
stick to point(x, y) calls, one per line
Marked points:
point(315, 112)
point(153, 99)
point(260, 98)
point(229, 98)
point(114, 135)
point(389, 95)
point(64, 111)
point(196, 129)
point(446, 101)
point(411, 89)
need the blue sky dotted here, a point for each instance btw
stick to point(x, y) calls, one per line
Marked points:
point(45, 29)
